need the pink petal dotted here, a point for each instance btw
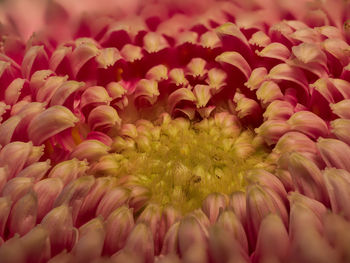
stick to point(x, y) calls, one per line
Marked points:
point(118, 227)
point(64, 91)
point(275, 50)
point(91, 150)
point(272, 130)
point(307, 177)
point(340, 128)
point(115, 198)
point(278, 110)
point(35, 59)
point(212, 205)
point(5, 208)
point(58, 222)
point(47, 191)
point(334, 153)
point(50, 122)
point(68, 170)
point(103, 117)
point(23, 215)
point(236, 60)
point(140, 242)
point(309, 124)
point(36, 170)
point(342, 109)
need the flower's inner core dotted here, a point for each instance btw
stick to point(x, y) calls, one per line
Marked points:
point(182, 162)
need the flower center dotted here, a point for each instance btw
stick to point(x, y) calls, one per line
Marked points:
point(182, 162)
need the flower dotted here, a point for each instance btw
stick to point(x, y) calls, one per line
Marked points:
point(162, 131)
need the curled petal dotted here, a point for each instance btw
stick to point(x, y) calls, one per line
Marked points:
point(103, 117)
point(247, 108)
point(295, 141)
point(288, 73)
point(177, 76)
point(147, 90)
point(309, 124)
point(181, 94)
point(64, 91)
point(278, 109)
point(81, 55)
point(202, 93)
point(272, 130)
point(256, 77)
point(47, 91)
point(58, 56)
point(210, 40)
point(90, 150)
point(309, 53)
point(34, 59)
point(196, 67)
point(154, 42)
point(13, 91)
point(94, 95)
point(158, 73)
point(107, 57)
point(131, 53)
point(268, 92)
point(216, 78)
point(275, 50)
point(260, 39)
point(338, 48)
point(231, 30)
point(342, 109)
point(235, 59)
point(50, 122)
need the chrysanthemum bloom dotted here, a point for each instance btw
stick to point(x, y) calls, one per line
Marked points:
point(175, 131)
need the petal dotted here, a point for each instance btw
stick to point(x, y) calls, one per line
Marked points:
point(342, 109)
point(103, 117)
point(115, 198)
point(91, 150)
point(334, 153)
point(50, 122)
point(236, 60)
point(340, 128)
point(47, 191)
point(36, 170)
point(275, 50)
point(307, 177)
point(272, 130)
point(63, 92)
point(119, 224)
point(23, 215)
point(309, 124)
point(68, 170)
point(212, 205)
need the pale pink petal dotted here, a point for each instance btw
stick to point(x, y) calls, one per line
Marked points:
point(103, 117)
point(50, 122)
point(115, 198)
point(236, 60)
point(146, 91)
point(342, 109)
point(7, 129)
point(140, 242)
point(212, 205)
point(68, 170)
point(94, 95)
point(118, 227)
point(273, 130)
point(58, 222)
point(64, 91)
point(91, 150)
point(307, 177)
point(5, 208)
point(275, 50)
point(340, 128)
point(35, 59)
point(334, 153)
point(309, 124)
point(47, 191)
point(36, 170)
point(278, 109)
point(23, 215)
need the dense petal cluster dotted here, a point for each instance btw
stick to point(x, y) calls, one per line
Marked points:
point(175, 131)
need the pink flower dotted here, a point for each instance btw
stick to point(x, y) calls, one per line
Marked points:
point(186, 131)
